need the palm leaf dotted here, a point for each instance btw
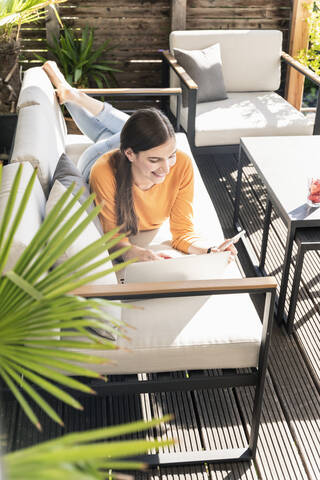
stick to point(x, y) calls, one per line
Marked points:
point(59, 458)
point(35, 305)
point(18, 12)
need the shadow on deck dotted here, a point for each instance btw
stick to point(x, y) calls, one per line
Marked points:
point(289, 438)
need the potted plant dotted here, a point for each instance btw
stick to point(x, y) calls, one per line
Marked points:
point(35, 303)
point(13, 14)
point(80, 60)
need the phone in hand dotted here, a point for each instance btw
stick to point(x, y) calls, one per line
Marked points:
point(232, 240)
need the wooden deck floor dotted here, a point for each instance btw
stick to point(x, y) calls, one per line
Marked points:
point(289, 440)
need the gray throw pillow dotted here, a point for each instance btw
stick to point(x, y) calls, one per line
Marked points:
point(205, 68)
point(66, 173)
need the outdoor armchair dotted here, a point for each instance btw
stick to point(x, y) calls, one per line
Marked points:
point(247, 67)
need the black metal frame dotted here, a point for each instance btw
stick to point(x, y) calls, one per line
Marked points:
point(254, 378)
point(192, 103)
point(295, 228)
point(306, 240)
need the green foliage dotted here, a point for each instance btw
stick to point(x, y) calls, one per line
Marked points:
point(14, 13)
point(79, 60)
point(35, 305)
point(310, 57)
point(82, 455)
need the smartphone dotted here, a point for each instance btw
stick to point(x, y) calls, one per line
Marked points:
point(232, 240)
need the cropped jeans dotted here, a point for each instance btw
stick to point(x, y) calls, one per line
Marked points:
point(103, 129)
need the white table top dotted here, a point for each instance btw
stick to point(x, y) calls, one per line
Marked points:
point(284, 165)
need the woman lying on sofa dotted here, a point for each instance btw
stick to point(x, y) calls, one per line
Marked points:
point(142, 179)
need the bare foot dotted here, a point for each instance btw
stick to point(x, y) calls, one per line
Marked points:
point(64, 91)
point(57, 78)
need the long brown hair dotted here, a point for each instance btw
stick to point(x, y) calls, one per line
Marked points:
point(146, 128)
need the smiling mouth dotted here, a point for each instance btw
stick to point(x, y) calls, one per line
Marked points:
point(160, 175)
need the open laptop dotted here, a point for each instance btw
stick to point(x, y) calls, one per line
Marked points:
point(188, 267)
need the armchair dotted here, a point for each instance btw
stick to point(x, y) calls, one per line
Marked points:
point(251, 71)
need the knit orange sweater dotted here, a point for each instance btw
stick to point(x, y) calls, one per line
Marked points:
point(170, 199)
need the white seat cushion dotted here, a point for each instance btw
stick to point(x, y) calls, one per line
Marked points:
point(76, 145)
point(188, 333)
point(33, 214)
point(246, 115)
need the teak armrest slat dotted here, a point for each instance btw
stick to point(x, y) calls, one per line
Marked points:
point(180, 71)
point(301, 68)
point(131, 91)
point(181, 288)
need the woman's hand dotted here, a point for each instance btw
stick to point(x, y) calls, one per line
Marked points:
point(143, 254)
point(231, 248)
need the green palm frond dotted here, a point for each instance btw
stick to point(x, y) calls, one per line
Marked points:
point(35, 305)
point(59, 458)
point(14, 13)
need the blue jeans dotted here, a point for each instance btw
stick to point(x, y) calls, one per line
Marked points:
point(103, 129)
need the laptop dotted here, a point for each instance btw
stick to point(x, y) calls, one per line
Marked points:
point(188, 267)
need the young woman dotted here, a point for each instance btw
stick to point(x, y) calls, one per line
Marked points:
point(143, 179)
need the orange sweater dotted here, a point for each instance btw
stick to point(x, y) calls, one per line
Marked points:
point(170, 199)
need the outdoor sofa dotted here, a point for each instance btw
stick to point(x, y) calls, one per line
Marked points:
point(182, 326)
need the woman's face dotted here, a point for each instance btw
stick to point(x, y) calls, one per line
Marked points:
point(152, 166)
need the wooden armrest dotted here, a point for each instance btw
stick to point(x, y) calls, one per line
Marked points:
point(301, 68)
point(177, 289)
point(131, 91)
point(180, 71)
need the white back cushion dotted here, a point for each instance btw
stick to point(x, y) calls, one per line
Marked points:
point(250, 58)
point(33, 214)
point(36, 89)
point(89, 235)
point(38, 141)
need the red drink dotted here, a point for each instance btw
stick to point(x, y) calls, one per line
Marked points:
point(314, 192)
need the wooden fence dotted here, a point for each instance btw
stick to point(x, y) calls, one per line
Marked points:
point(138, 29)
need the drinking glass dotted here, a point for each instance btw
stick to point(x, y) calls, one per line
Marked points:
point(313, 199)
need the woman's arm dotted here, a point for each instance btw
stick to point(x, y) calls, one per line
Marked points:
point(184, 237)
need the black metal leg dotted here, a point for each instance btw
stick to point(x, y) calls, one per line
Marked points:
point(268, 315)
point(238, 189)
point(264, 243)
point(316, 128)
point(285, 274)
point(179, 97)
point(295, 289)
